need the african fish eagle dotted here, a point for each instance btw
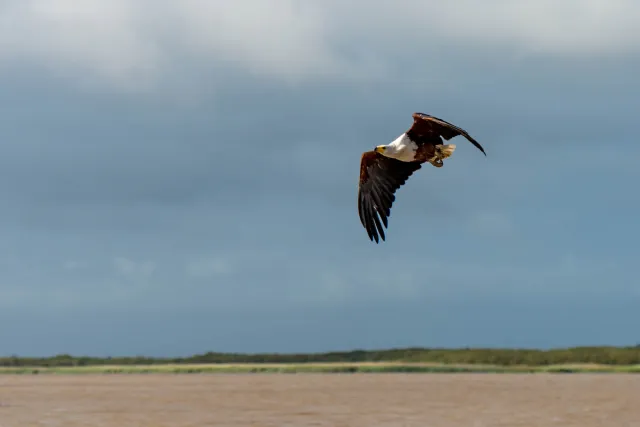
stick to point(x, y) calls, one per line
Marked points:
point(387, 167)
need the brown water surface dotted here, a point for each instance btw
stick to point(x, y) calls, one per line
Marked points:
point(351, 400)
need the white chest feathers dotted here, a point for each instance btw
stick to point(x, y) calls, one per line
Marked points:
point(402, 148)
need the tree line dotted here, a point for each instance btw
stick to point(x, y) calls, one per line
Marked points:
point(489, 356)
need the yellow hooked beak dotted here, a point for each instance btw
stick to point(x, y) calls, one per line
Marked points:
point(379, 149)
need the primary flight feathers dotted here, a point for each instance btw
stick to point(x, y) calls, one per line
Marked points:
point(387, 167)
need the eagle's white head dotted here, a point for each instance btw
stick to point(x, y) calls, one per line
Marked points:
point(402, 148)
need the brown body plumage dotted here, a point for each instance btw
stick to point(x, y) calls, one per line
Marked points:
point(382, 173)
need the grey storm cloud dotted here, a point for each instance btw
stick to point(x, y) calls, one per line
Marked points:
point(130, 42)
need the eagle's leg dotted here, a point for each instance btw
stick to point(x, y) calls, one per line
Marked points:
point(442, 152)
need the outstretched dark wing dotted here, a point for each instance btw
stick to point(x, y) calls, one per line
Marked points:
point(380, 177)
point(424, 124)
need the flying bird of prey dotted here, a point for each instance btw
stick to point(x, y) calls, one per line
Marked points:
point(387, 167)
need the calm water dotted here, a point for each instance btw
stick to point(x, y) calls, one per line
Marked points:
point(351, 400)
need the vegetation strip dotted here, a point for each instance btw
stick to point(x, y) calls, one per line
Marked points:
point(316, 368)
point(578, 359)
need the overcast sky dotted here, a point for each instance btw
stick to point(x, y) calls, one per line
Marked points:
point(180, 176)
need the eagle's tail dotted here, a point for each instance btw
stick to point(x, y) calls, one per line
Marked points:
point(444, 151)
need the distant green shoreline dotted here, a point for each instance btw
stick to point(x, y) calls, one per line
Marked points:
point(320, 368)
point(576, 359)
